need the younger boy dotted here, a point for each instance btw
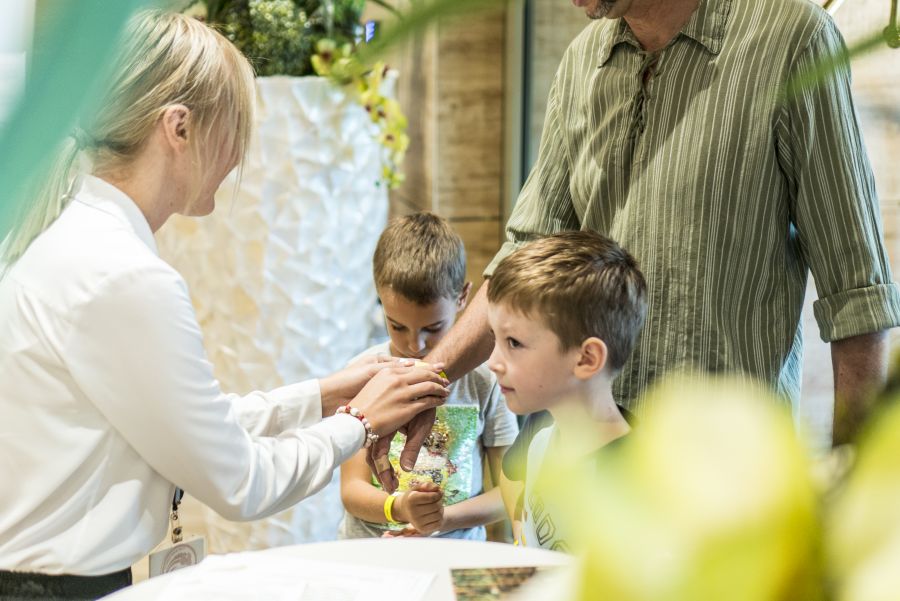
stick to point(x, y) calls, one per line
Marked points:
point(419, 268)
point(565, 312)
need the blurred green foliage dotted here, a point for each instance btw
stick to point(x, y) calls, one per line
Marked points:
point(65, 80)
point(279, 36)
point(863, 531)
point(710, 497)
point(714, 496)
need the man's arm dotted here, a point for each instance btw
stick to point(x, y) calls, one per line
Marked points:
point(834, 207)
point(466, 346)
point(469, 343)
point(860, 371)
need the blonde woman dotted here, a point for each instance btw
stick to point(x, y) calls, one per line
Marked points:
point(106, 396)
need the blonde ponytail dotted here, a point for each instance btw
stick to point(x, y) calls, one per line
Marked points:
point(49, 201)
point(165, 59)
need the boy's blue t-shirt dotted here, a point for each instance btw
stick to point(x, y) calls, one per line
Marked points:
point(474, 417)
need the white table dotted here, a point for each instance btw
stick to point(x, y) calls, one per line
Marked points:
point(424, 554)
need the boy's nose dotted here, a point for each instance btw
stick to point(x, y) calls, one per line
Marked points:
point(417, 343)
point(494, 363)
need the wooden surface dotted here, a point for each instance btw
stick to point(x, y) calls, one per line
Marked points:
point(452, 91)
point(555, 25)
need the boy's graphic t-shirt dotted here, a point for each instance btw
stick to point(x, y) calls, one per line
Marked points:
point(541, 524)
point(473, 418)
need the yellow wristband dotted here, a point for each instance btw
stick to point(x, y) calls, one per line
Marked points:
point(428, 366)
point(388, 505)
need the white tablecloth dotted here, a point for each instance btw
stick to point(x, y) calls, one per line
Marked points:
point(432, 555)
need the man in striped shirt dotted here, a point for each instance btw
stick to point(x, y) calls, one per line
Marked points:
point(672, 127)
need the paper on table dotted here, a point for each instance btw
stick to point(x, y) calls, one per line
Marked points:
point(255, 576)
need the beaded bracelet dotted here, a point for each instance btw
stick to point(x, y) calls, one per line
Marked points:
point(371, 437)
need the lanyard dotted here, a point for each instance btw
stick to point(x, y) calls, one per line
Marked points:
point(176, 526)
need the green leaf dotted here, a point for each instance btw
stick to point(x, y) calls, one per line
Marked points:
point(826, 68)
point(387, 6)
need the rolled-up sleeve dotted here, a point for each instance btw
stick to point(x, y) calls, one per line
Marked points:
point(544, 205)
point(834, 204)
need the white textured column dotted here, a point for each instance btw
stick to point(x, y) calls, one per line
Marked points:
point(280, 274)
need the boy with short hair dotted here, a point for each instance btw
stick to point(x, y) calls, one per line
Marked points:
point(565, 311)
point(420, 269)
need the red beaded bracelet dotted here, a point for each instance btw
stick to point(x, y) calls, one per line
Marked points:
point(371, 437)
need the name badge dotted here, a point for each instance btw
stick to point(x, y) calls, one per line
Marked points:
point(180, 552)
point(174, 556)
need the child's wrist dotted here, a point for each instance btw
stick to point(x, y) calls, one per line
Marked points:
point(447, 519)
point(398, 509)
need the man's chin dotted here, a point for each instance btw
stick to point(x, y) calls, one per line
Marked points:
point(606, 9)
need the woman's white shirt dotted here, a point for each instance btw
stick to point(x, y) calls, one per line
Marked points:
point(107, 401)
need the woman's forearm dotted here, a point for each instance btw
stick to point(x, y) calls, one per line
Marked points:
point(329, 388)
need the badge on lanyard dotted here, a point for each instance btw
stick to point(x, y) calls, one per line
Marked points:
point(179, 552)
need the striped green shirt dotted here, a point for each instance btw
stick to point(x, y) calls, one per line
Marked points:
point(725, 190)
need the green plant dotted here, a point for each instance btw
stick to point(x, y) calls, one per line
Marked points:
point(365, 83)
point(306, 37)
point(279, 36)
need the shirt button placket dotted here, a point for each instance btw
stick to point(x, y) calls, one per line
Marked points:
point(639, 124)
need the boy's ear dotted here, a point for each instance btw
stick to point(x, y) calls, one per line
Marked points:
point(594, 355)
point(463, 299)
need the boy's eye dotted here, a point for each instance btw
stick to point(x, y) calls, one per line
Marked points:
point(433, 330)
point(513, 343)
point(397, 328)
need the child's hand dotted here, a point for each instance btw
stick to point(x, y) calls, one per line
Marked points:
point(422, 507)
point(517, 532)
point(408, 532)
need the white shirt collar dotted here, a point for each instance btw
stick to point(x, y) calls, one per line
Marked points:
point(105, 197)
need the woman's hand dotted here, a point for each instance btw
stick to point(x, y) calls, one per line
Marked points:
point(395, 394)
point(341, 386)
point(416, 431)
